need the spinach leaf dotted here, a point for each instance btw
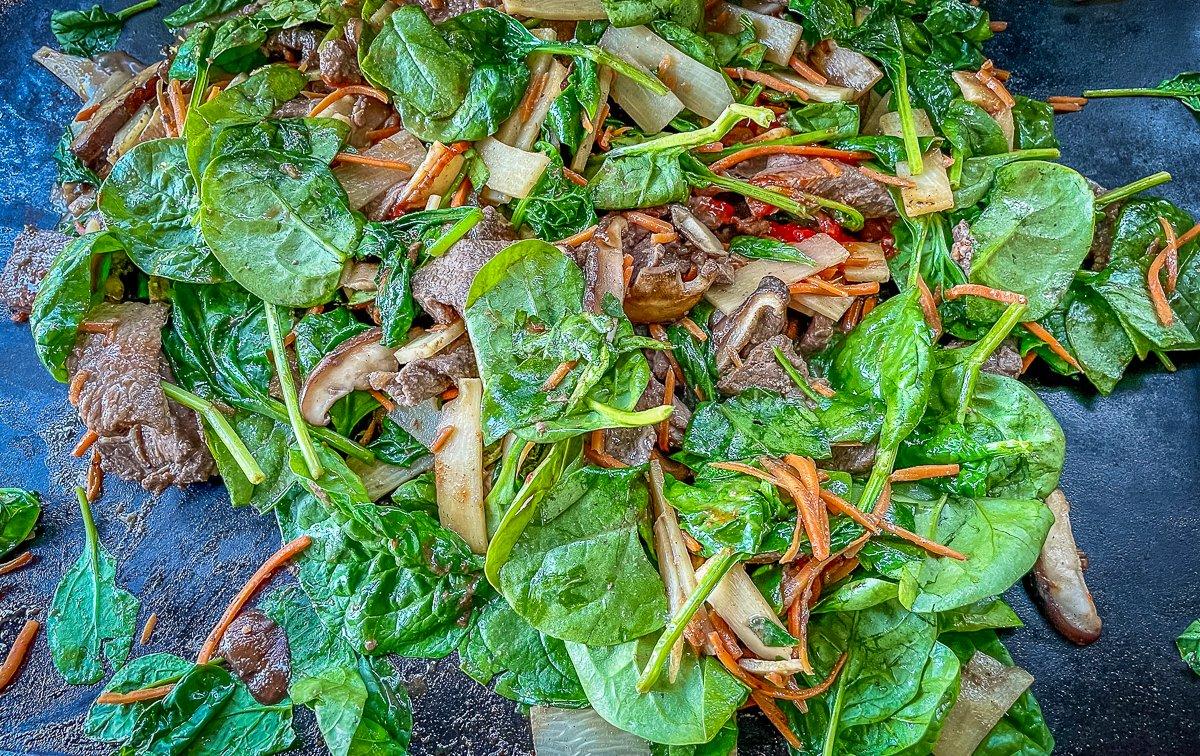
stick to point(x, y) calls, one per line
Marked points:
point(557, 207)
point(360, 704)
point(972, 131)
point(823, 19)
point(686, 13)
point(727, 509)
point(73, 286)
point(396, 446)
point(754, 423)
point(856, 594)
point(411, 59)
point(636, 181)
point(1184, 87)
point(319, 138)
point(1188, 644)
point(978, 173)
point(19, 512)
point(70, 168)
point(150, 201)
point(837, 119)
point(90, 32)
point(1032, 237)
point(984, 614)
point(759, 248)
point(1001, 539)
point(279, 223)
point(388, 579)
point(211, 713)
point(520, 663)
point(1033, 124)
point(696, 358)
point(114, 723)
point(525, 316)
point(724, 743)
point(198, 10)
point(1097, 338)
point(579, 571)
point(91, 619)
point(693, 709)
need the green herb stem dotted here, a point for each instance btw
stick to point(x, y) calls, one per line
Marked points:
point(275, 410)
point(746, 189)
point(627, 419)
point(984, 348)
point(220, 426)
point(456, 232)
point(687, 140)
point(1130, 189)
point(884, 460)
point(89, 525)
point(797, 379)
point(1129, 92)
point(603, 57)
point(908, 125)
point(718, 566)
point(137, 8)
point(835, 716)
point(291, 401)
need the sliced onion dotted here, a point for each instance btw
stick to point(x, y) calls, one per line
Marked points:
point(736, 600)
point(522, 128)
point(813, 304)
point(780, 37)
point(976, 92)
point(76, 72)
point(359, 276)
point(932, 192)
point(696, 232)
point(889, 124)
point(130, 135)
point(821, 248)
point(557, 10)
point(818, 92)
point(511, 171)
point(380, 478)
point(674, 564)
point(420, 420)
point(877, 106)
point(651, 112)
point(364, 183)
point(845, 67)
point(425, 344)
point(875, 270)
point(989, 689)
point(458, 466)
point(580, 732)
point(701, 89)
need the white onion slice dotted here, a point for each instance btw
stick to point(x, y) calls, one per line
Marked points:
point(701, 89)
point(458, 466)
point(932, 192)
point(989, 689)
point(889, 124)
point(428, 343)
point(557, 10)
point(364, 183)
point(736, 600)
point(818, 92)
point(511, 171)
point(780, 37)
point(821, 248)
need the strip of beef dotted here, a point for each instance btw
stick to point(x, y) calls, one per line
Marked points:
point(963, 249)
point(33, 251)
point(256, 651)
point(817, 335)
point(443, 10)
point(295, 45)
point(426, 378)
point(441, 285)
point(337, 60)
point(633, 445)
point(1006, 360)
point(91, 145)
point(762, 369)
point(855, 460)
point(761, 317)
point(792, 175)
point(117, 371)
point(1106, 227)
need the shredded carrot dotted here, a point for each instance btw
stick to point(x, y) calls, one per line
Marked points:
point(378, 135)
point(1027, 360)
point(648, 222)
point(665, 238)
point(88, 112)
point(1162, 308)
point(886, 178)
point(443, 438)
point(1066, 107)
point(136, 696)
point(841, 506)
point(580, 238)
point(76, 386)
point(1058, 349)
point(1191, 234)
point(16, 654)
point(448, 394)
point(1172, 250)
point(85, 443)
point(627, 269)
point(808, 72)
point(993, 82)
point(767, 80)
point(933, 547)
point(15, 564)
point(824, 286)
point(178, 105)
point(779, 132)
point(277, 560)
point(148, 628)
point(868, 305)
point(664, 428)
point(983, 292)
point(383, 400)
point(352, 157)
point(997, 26)
point(604, 459)
point(354, 89)
point(462, 193)
point(529, 101)
point(439, 157)
point(826, 289)
point(696, 331)
point(704, 149)
point(165, 113)
point(801, 472)
point(852, 316)
point(805, 150)
point(727, 659)
point(693, 546)
point(929, 308)
point(559, 374)
point(95, 478)
point(586, 122)
point(922, 472)
point(831, 168)
point(368, 434)
point(775, 715)
point(745, 469)
point(1067, 99)
point(884, 503)
point(574, 177)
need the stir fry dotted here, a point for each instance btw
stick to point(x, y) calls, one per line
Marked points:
point(662, 360)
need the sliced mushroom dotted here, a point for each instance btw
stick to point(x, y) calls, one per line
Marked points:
point(667, 278)
point(343, 370)
point(1058, 579)
point(359, 276)
point(756, 320)
point(92, 143)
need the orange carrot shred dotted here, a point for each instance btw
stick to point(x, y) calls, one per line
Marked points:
point(1037, 330)
point(923, 472)
point(1027, 360)
point(1172, 250)
point(933, 547)
point(983, 292)
point(582, 237)
point(574, 177)
point(16, 654)
point(664, 428)
point(17, 563)
point(805, 150)
point(462, 193)
point(807, 71)
point(387, 404)
point(449, 394)
point(696, 331)
point(148, 628)
point(354, 89)
point(776, 717)
point(560, 373)
point(443, 438)
point(649, 222)
point(353, 157)
point(843, 507)
point(85, 443)
point(767, 80)
point(136, 696)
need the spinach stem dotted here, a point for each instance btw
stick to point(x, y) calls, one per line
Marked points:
point(1129, 92)
point(1130, 189)
point(746, 189)
point(807, 137)
point(89, 524)
point(713, 132)
point(268, 407)
point(718, 565)
point(884, 460)
point(797, 379)
point(135, 9)
point(456, 232)
point(220, 426)
point(288, 387)
point(626, 419)
point(603, 57)
point(983, 349)
point(835, 716)
point(908, 125)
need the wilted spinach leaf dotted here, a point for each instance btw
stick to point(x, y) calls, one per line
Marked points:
point(724, 509)
point(751, 424)
point(19, 512)
point(115, 722)
point(1188, 644)
point(1184, 87)
point(90, 32)
point(557, 207)
point(686, 13)
point(759, 248)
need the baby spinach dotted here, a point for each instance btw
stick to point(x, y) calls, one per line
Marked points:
point(279, 223)
point(692, 709)
point(751, 424)
point(557, 207)
point(73, 286)
point(1188, 644)
point(319, 138)
point(697, 358)
point(88, 33)
point(1033, 235)
point(525, 316)
point(760, 248)
point(724, 509)
point(411, 58)
point(212, 713)
point(686, 13)
point(70, 168)
point(114, 723)
point(198, 10)
point(19, 512)
point(1184, 87)
point(390, 580)
point(91, 619)
point(978, 173)
point(971, 130)
point(579, 571)
point(360, 703)
point(856, 594)
point(1033, 124)
point(520, 663)
point(149, 201)
point(837, 120)
point(984, 614)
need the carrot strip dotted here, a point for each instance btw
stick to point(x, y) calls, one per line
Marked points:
point(923, 472)
point(745, 469)
point(16, 563)
point(775, 716)
point(136, 696)
point(462, 193)
point(767, 80)
point(449, 394)
point(443, 438)
point(929, 306)
point(933, 547)
point(354, 89)
point(664, 238)
point(650, 223)
point(582, 237)
point(16, 654)
point(378, 135)
point(277, 560)
point(1058, 349)
point(95, 478)
point(1027, 360)
point(779, 132)
point(85, 443)
point(148, 629)
point(883, 503)
point(805, 150)
point(561, 372)
point(696, 331)
point(664, 428)
point(886, 178)
point(1070, 99)
point(383, 400)
point(574, 177)
point(984, 292)
point(352, 157)
point(1162, 308)
point(799, 479)
point(843, 507)
point(1172, 250)
point(807, 71)
point(1191, 234)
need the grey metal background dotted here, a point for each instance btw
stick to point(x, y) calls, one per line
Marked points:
point(1131, 471)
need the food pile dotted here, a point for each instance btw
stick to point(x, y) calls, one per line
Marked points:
point(661, 360)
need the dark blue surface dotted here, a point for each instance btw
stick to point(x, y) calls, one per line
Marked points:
point(1131, 472)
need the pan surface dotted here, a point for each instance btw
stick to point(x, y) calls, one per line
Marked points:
point(1132, 469)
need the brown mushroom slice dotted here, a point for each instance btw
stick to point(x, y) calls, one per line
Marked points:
point(359, 276)
point(756, 320)
point(92, 143)
point(989, 688)
point(659, 294)
point(1058, 579)
point(343, 370)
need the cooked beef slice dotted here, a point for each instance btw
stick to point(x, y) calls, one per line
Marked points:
point(1006, 360)
point(963, 249)
point(440, 286)
point(426, 378)
point(337, 60)
point(91, 145)
point(33, 251)
point(443, 10)
point(843, 183)
point(761, 317)
point(761, 369)
point(295, 45)
point(633, 445)
point(855, 460)
point(256, 651)
point(817, 335)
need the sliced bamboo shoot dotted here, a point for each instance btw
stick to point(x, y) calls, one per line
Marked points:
point(458, 466)
point(701, 89)
point(511, 171)
point(736, 600)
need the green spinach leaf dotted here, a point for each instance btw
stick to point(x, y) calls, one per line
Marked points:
point(751, 424)
point(90, 32)
point(114, 723)
point(19, 512)
point(1188, 644)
